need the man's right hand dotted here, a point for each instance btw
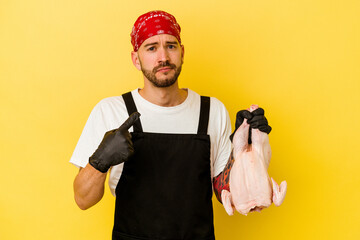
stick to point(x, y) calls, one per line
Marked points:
point(116, 146)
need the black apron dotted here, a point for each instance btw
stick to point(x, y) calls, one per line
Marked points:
point(164, 191)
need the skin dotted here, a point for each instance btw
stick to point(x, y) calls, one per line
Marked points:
point(89, 185)
point(153, 53)
point(160, 59)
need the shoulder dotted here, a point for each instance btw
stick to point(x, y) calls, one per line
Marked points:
point(218, 110)
point(109, 112)
point(109, 103)
point(216, 104)
point(219, 116)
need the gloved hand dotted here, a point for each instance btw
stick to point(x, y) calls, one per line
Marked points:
point(116, 146)
point(240, 116)
point(256, 119)
point(259, 121)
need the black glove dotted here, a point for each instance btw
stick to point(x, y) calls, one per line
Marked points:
point(259, 121)
point(240, 116)
point(116, 146)
point(255, 119)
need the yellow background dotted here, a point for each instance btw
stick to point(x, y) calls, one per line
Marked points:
point(299, 60)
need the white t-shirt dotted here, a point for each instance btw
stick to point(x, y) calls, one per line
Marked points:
point(111, 112)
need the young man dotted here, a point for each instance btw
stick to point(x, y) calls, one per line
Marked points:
point(161, 173)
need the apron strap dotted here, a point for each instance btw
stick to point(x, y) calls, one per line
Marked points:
point(131, 108)
point(204, 115)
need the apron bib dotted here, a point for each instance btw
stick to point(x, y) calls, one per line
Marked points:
point(165, 191)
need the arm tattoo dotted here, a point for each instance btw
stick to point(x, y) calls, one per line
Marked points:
point(221, 181)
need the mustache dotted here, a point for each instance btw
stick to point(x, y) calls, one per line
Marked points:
point(164, 64)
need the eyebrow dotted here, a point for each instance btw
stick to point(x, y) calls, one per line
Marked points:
point(149, 44)
point(174, 42)
point(155, 43)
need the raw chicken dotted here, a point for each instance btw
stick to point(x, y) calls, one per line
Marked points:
point(250, 185)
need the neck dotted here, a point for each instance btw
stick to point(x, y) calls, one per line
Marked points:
point(165, 97)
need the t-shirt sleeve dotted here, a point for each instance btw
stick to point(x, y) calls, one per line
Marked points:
point(222, 143)
point(90, 138)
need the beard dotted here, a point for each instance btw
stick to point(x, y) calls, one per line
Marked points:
point(167, 82)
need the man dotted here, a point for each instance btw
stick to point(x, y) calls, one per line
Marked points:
point(161, 173)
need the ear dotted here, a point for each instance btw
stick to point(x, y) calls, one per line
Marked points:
point(182, 53)
point(135, 59)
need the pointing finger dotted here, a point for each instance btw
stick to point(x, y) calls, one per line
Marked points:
point(130, 121)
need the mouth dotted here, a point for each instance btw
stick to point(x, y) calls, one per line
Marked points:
point(165, 69)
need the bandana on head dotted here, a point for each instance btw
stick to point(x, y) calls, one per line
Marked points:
point(151, 24)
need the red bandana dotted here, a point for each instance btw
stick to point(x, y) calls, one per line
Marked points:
point(151, 24)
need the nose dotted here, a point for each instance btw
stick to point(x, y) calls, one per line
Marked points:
point(163, 54)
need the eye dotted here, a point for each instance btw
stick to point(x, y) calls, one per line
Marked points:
point(172, 46)
point(151, 49)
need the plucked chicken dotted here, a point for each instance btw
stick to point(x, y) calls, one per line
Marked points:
point(250, 185)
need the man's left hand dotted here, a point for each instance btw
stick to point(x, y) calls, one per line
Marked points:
point(256, 119)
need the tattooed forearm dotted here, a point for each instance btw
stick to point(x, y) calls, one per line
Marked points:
point(221, 181)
